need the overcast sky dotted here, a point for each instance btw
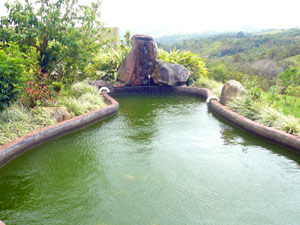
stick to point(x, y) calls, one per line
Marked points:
point(173, 16)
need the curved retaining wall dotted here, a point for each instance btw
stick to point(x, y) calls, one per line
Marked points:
point(15, 148)
point(236, 119)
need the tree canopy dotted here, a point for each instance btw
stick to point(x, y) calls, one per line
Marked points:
point(63, 33)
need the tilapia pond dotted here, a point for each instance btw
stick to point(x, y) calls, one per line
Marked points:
point(163, 159)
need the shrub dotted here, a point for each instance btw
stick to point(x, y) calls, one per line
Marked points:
point(105, 65)
point(12, 76)
point(57, 86)
point(191, 61)
point(61, 32)
point(36, 92)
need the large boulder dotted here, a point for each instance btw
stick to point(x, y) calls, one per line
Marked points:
point(140, 62)
point(231, 89)
point(170, 74)
point(58, 113)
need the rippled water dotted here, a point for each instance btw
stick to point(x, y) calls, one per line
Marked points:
point(160, 160)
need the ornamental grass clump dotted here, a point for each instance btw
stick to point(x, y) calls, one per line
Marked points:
point(268, 116)
point(214, 86)
point(246, 107)
point(17, 121)
point(82, 98)
point(83, 87)
point(288, 124)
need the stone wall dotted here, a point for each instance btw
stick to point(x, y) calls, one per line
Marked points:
point(15, 148)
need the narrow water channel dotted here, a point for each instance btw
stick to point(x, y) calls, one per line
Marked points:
point(163, 159)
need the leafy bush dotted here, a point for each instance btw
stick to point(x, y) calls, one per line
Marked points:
point(62, 32)
point(36, 92)
point(191, 61)
point(105, 64)
point(12, 76)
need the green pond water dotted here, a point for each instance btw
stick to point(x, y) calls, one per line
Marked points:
point(161, 160)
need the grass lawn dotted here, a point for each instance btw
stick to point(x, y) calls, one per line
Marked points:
point(285, 103)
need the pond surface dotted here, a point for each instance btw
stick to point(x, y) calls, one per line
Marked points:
point(160, 160)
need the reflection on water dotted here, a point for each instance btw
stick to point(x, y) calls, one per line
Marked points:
point(160, 160)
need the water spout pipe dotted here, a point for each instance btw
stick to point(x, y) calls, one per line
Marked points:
point(104, 89)
point(212, 97)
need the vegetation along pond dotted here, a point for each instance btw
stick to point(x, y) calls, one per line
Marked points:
point(163, 159)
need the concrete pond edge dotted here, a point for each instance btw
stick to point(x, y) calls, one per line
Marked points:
point(282, 138)
point(11, 150)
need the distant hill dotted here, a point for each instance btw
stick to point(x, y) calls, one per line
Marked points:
point(267, 52)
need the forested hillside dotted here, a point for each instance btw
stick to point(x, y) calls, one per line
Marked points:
point(266, 54)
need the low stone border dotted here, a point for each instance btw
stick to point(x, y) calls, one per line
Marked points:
point(277, 136)
point(15, 148)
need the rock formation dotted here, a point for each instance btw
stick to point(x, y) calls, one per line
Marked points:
point(170, 74)
point(231, 90)
point(58, 113)
point(142, 62)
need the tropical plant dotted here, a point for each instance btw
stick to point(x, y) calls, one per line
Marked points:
point(105, 65)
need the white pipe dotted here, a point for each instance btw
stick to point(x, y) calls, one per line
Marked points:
point(212, 97)
point(104, 89)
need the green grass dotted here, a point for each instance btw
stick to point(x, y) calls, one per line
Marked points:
point(214, 86)
point(81, 98)
point(283, 103)
point(267, 115)
point(296, 60)
point(17, 120)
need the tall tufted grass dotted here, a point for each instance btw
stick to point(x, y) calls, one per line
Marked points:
point(266, 115)
point(17, 121)
point(82, 98)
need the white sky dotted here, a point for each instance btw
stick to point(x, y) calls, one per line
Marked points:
point(173, 16)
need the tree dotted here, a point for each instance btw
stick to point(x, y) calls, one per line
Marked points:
point(290, 79)
point(64, 34)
